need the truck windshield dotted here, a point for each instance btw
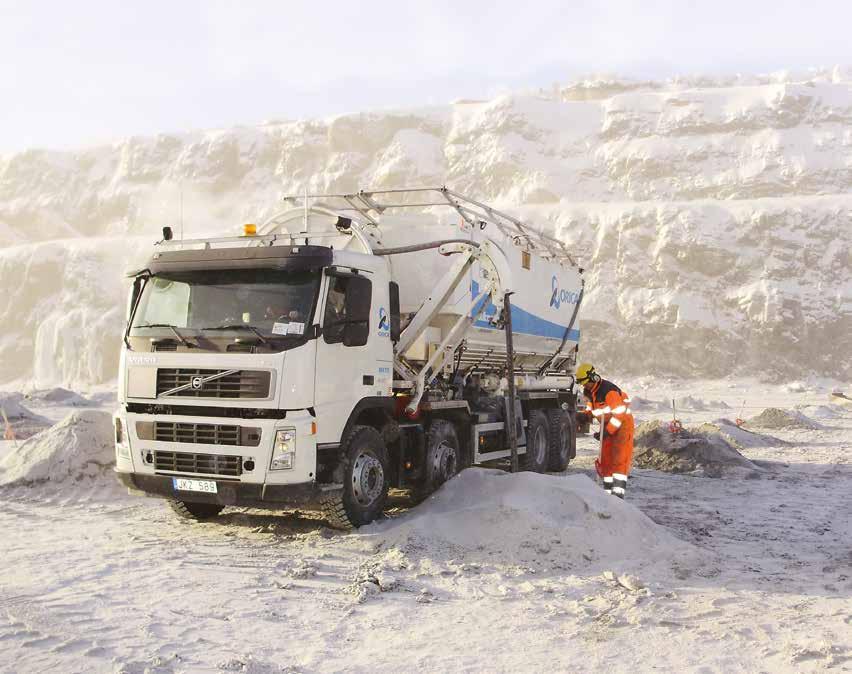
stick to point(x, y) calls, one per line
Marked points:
point(271, 302)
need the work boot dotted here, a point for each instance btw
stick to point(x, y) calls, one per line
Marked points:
point(619, 484)
point(607, 484)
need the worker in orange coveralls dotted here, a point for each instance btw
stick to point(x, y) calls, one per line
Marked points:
point(611, 407)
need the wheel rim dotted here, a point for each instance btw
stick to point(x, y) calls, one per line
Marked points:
point(444, 462)
point(539, 445)
point(368, 478)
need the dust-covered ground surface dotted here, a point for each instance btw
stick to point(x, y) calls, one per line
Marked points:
point(744, 571)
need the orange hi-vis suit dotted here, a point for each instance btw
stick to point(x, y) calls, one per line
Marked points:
point(611, 407)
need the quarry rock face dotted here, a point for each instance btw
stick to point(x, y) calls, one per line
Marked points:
point(714, 218)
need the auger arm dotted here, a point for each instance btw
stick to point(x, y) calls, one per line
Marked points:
point(492, 289)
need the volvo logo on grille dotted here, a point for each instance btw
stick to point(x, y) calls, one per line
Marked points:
point(197, 383)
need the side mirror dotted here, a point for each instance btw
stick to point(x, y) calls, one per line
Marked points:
point(359, 295)
point(393, 295)
point(134, 295)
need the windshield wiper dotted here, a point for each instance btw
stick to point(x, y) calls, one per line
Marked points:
point(240, 326)
point(183, 340)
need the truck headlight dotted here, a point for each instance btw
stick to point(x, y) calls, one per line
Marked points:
point(122, 447)
point(284, 450)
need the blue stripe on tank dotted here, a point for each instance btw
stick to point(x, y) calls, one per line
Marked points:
point(523, 321)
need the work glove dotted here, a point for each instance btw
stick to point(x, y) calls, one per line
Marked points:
point(597, 435)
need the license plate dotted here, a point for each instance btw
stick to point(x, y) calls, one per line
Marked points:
point(182, 484)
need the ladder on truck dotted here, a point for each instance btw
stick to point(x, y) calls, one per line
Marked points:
point(371, 204)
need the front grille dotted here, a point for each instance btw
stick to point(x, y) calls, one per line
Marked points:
point(209, 434)
point(208, 464)
point(240, 384)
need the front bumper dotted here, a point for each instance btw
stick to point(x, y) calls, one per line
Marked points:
point(135, 455)
point(229, 493)
point(254, 486)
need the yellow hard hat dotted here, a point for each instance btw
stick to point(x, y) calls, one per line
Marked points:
point(584, 373)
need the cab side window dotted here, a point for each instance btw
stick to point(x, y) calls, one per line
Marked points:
point(334, 320)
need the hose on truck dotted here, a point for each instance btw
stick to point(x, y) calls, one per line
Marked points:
point(421, 246)
point(550, 360)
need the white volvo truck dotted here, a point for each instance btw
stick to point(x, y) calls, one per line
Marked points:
point(350, 344)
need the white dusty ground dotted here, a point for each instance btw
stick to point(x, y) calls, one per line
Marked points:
point(494, 573)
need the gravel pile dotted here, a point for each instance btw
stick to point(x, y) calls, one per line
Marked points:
point(704, 449)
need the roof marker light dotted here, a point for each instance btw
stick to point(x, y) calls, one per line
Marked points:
point(249, 229)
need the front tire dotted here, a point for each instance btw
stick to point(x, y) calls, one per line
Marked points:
point(364, 473)
point(538, 442)
point(195, 511)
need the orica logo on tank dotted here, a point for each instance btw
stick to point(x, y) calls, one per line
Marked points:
point(384, 323)
point(557, 296)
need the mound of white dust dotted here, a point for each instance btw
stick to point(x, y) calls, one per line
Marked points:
point(78, 447)
point(830, 411)
point(640, 404)
point(24, 422)
point(488, 516)
point(742, 437)
point(59, 396)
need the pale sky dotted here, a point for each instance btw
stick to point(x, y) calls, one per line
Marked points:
point(84, 72)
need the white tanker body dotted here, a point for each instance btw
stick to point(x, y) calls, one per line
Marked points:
point(391, 370)
point(545, 292)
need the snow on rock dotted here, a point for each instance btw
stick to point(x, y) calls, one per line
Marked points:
point(705, 448)
point(63, 324)
point(713, 217)
point(522, 523)
point(80, 446)
point(772, 417)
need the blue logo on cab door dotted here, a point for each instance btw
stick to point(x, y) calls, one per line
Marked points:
point(557, 296)
point(384, 323)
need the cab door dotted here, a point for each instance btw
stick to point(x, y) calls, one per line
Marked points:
point(354, 352)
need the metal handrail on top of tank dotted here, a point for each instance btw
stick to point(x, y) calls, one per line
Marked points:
point(473, 212)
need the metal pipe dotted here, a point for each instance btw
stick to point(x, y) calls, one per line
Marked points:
point(421, 246)
point(471, 211)
point(510, 374)
point(432, 366)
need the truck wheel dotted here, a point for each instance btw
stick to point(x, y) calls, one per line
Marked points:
point(443, 454)
point(563, 439)
point(196, 511)
point(364, 467)
point(538, 442)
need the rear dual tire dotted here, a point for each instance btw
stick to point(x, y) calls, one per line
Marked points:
point(563, 439)
point(536, 458)
point(550, 441)
point(443, 454)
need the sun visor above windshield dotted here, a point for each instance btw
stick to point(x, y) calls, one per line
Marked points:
point(290, 258)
